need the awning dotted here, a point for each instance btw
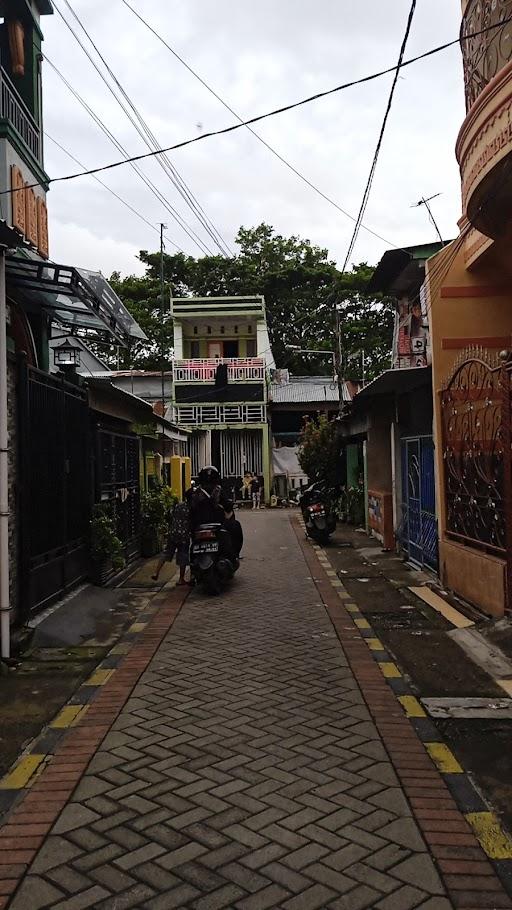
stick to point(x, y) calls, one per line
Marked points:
point(75, 298)
point(401, 380)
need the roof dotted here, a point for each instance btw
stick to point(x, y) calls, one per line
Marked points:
point(143, 408)
point(188, 307)
point(401, 380)
point(307, 390)
point(73, 298)
point(402, 271)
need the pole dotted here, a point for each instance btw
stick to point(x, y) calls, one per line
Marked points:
point(5, 612)
point(338, 352)
point(162, 345)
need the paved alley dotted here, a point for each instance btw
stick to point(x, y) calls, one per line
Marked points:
point(246, 771)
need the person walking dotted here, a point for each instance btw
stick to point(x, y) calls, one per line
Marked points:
point(178, 542)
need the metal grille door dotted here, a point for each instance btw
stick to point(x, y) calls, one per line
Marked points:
point(419, 523)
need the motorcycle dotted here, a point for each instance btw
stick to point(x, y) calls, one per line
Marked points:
point(319, 520)
point(212, 559)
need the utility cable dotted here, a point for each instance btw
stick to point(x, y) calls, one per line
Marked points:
point(260, 117)
point(256, 135)
point(138, 170)
point(368, 187)
point(113, 193)
point(172, 211)
point(144, 131)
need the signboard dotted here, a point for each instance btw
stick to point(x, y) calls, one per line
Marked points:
point(29, 213)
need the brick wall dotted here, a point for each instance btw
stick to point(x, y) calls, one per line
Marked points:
point(13, 435)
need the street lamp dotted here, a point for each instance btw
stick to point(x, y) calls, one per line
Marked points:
point(66, 356)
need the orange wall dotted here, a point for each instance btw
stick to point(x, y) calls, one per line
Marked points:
point(469, 305)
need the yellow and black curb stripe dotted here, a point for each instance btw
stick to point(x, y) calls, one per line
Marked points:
point(26, 769)
point(494, 839)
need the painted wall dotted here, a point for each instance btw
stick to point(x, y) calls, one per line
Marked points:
point(468, 307)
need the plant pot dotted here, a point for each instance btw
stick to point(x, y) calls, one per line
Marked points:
point(101, 571)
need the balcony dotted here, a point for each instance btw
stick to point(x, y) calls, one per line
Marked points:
point(196, 415)
point(249, 369)
point(485, 139)
point(17, 115)
point(485, 55)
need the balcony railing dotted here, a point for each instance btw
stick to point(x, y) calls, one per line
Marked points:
point(485, 54)
point(14, 111)
point(249, 369)
point(201, 414)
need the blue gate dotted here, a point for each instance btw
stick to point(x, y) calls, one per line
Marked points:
point(419, 524)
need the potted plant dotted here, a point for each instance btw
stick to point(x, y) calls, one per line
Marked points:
point(106, 548)
point(156, 507)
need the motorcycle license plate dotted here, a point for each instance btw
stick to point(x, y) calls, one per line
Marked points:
point(205, 547)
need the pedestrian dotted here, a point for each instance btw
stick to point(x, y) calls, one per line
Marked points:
point(178, 542)
point(256, 492)
point(247, 481)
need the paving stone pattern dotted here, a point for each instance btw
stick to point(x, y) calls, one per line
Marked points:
point(245, 770)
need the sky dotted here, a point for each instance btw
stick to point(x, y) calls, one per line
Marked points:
point(257, 57)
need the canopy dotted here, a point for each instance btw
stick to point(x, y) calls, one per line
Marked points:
point(75, 298)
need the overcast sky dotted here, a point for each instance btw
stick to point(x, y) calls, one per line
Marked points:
point(257, 56)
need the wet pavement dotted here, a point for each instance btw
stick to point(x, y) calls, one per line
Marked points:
point(249, 753)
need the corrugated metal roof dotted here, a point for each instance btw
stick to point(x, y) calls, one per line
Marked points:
point(307, 390)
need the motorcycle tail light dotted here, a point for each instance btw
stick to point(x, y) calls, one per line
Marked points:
point(317, 507)
point(205, 535)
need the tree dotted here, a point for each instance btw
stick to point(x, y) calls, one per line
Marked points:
point(301, 286)
point(319, 451)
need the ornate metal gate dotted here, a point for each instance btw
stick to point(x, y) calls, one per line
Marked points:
point(474, 404)
point(54, 488)
point(419, 524)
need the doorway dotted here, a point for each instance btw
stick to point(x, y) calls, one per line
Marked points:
point(419, 522)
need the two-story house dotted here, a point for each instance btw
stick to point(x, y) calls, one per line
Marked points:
point(222, 354)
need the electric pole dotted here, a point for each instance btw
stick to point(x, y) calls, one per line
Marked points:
point(338, 351)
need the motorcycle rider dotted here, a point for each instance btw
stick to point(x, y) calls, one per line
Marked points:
point(209, 504)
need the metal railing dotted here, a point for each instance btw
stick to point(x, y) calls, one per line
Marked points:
point(240, 369)
point(206, 414)
point(17, 114)
point(485, 54)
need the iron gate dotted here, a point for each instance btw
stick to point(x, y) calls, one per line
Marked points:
point(54, 489)
point(419, 524)
point(118, 483)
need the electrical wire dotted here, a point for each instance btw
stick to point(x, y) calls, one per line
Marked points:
point(260, 117)
point(135, 167)
point(113, 193)
point(369, 183)
point(256, 135)
point(151, 141)
point(174, 213)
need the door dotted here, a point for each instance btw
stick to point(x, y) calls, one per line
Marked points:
point(54, 489)
point(215, 350)
point(419, 524)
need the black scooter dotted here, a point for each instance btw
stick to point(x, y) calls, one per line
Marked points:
point(319, 520)
point(213, 562)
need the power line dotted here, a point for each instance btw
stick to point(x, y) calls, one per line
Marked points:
point(368, 187)
point(115, 142)
point(256, 135)
point(112, 192)
point(273, 113)
point(171, 171)
point(181, 221)
point(146, 135)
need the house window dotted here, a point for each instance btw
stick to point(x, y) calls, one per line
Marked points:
point(236, 330)
point(195, 330)
point(209, 329)
point(195, 352)
point(251, 347)
point(249, 329)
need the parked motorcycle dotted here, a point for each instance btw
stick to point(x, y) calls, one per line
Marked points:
point(319, 519)
point(213, 562)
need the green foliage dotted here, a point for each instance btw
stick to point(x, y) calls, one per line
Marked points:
point(351, 505)
point(104, 542)
point(319, 451)
point(301, 286)
point(156, 507)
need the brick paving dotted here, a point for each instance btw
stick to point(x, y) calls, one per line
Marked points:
point(246, 770)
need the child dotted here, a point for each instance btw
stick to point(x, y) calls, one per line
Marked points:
point(178, 541)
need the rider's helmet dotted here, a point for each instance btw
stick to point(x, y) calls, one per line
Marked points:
point(209, 477)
